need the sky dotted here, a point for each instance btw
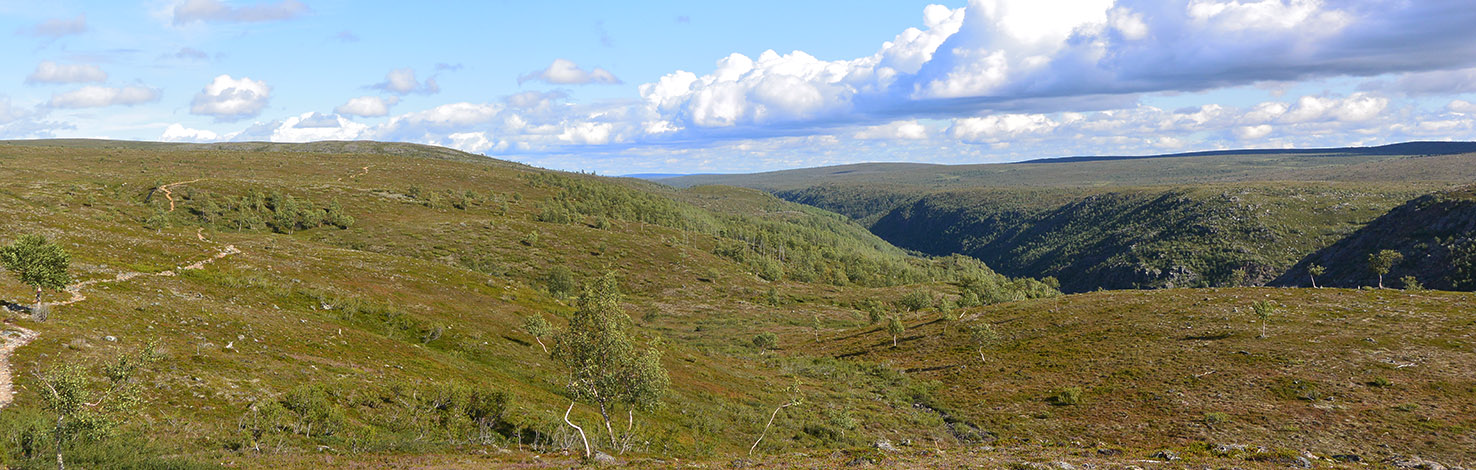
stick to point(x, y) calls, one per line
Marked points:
point(720, 87)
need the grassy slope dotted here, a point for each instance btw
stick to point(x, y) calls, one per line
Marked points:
point(268, 303)
point(1140, 237)
point(1433, 233)
point(1153, 365)
point(279, 304)
point(1123, 223)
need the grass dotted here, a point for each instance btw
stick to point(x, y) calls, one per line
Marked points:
point(417, 295)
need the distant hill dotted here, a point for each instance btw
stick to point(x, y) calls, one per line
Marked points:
point(1435, 233)
point(1199, 219)
point(654, 176)
point(1406, 148)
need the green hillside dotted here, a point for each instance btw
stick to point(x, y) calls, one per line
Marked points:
point(1210, 219)
point(1148, 237)
point(349, 284)
point(1433, 233)
point(349, 306)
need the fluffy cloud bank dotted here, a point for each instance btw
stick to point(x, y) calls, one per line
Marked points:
point(566, 72)
point(403, 82)
point(98, 96)
point(52, 72)
point(367, 106)
point(230, 99)
point(1016, 56)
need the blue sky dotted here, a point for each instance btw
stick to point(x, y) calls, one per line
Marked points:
point(633, 87)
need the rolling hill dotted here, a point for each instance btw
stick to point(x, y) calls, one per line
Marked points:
point(361, 305)
point(1219, 218)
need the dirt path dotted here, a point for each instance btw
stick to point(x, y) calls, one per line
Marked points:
point(362, 172)
point(170, 194)
point(13, 340)
point(78, 296)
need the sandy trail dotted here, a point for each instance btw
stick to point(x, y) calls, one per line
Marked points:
point(21, 336)
point(170, 194)
point(78, 296)
point(362, 171)
point(13, 340)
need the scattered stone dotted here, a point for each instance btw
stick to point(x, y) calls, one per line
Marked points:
point(885, 446)
point(1350, 458)
point(1224, 449)
point(1063, 466)
point(1416, 463)
point(1109, 452)
point(1302, 462)
point(603, 458)
point(1166, 455)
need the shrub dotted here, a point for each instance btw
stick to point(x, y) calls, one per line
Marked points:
point(1069, 396)
point(765, 341)
point(560, 282)
point(1215, 419)
point(1412, 283)
point(916, 300)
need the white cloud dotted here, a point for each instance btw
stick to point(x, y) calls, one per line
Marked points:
point(309, 127)
point(215, 11)
point(230, 99)
point(403, 82)
point(367, 106)
point(566, 72)
point(587, 133)
point(1253, 132)
point(59, 27)
point(179, 133)
point(897, 130)
point(1000, 128)
point(52, 72)
point(1027, 56)
point(1461, 107)
point(1356, 107)
point(98, 96)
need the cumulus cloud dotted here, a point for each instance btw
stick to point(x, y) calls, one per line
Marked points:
point(566, 72)
point(215, 11)
point(20, 122)
point(403, 82)
point(905, 130)
point(367, 106)
point(1026, 57)
point(309, 127)
point(52, 72)
point(58, 27)
point(179, 133)
point(1000, 128)
point(100, 96)
point(230, 99)
point(1461, 107)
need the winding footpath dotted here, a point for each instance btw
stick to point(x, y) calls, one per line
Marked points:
point(170, 194)
point(15, 336)
point(14, 339)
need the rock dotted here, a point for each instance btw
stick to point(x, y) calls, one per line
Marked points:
point(1109, 452)
point(110, 339)
point(885, 446)
point(1166, 455)
point(1063, 466)
point(603, 458)
point(1302, 462)
point(1351, 458)
point(1416, 463)
point(1224, 449)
